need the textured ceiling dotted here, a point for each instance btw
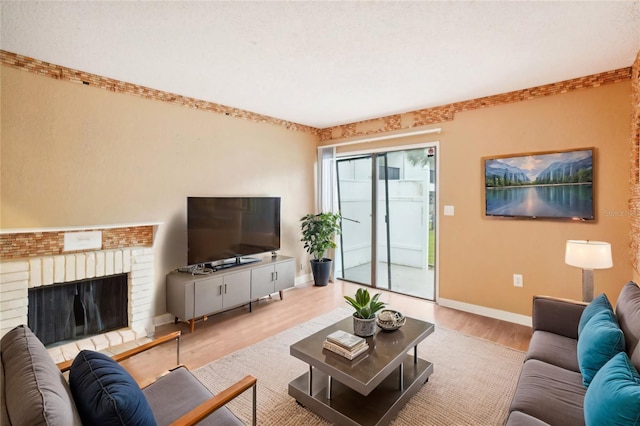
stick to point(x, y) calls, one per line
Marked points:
point(328, 63)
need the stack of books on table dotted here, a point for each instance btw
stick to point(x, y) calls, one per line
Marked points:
point(345, 344)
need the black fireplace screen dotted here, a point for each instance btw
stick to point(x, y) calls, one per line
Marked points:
point(79, 309)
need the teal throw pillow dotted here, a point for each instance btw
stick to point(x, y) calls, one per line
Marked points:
point(599, 304)
point(613, 398)
point(600, 340)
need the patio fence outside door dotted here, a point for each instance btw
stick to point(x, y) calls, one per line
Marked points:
point(389, 243)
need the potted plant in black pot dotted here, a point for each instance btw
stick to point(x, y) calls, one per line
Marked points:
point(318, 232)
point(364, 318)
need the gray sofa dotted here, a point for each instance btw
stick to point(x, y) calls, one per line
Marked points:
point(551, 389)
point(33, 390)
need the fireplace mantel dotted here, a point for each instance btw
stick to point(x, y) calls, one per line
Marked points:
point(77, 228)
point(31, 242)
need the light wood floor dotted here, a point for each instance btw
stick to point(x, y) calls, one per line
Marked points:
point(225, 333)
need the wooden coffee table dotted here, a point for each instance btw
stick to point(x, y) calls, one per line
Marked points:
point(372, 388)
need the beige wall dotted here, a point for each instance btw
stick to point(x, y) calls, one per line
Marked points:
point(478, 255)
point(76, 155)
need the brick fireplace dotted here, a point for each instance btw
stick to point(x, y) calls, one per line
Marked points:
point(31, 259)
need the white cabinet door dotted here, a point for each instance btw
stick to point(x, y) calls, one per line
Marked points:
point(208, 296)
point(262, 281)
point(285, 275)
point(237, 289)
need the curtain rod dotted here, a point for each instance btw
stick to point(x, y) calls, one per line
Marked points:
point(381, 138)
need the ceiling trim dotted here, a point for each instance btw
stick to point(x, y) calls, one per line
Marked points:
point(447, 112)
point(60, 72)
point(374, 126)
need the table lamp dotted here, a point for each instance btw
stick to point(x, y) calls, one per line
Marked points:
point(588, 255)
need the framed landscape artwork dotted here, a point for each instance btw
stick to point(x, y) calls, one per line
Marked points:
point(544, 185)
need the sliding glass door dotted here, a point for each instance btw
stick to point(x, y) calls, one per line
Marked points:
point(387, 201)
point(355, 205)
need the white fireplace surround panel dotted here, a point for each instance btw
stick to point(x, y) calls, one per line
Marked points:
point(17, 276)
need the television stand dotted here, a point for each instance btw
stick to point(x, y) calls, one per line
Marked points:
point(193, 297)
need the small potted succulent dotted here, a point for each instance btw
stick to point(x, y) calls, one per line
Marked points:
point(364, 318)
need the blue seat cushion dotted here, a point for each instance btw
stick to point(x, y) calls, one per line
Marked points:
point(613, 398)
point(105, 393)
point(600, 340)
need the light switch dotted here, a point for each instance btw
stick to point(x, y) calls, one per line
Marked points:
point(448, 210)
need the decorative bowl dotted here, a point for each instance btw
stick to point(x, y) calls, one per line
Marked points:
point(390, 320)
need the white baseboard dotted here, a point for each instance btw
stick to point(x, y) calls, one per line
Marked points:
point(303, 279)
point(163, 319)
point(486, 312)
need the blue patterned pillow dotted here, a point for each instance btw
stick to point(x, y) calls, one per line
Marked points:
point(105, 393)
point(600, 340)
point(599, 304)
point(613, 398)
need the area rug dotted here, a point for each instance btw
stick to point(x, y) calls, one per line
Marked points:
point(472, 383)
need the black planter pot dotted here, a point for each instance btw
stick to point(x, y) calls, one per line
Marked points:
point(321, 270)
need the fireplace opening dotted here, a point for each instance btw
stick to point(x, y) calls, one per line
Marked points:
point(79, 309)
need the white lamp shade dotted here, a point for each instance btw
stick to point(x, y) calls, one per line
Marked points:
point(588, 254)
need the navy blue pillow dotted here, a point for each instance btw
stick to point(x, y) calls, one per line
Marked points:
point(599, 304)
point(105, 393)
point(613, 398)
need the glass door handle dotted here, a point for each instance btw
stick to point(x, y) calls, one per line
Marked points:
point(350, 220)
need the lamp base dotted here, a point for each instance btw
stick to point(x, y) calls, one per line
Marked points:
point(587, 285)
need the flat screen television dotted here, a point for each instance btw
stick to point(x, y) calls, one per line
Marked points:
point(546, 185)
point(224, 228)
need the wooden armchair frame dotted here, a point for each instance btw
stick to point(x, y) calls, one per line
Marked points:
point(206, 408)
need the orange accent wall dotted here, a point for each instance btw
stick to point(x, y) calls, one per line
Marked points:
point(478, 256)
point(634, 202)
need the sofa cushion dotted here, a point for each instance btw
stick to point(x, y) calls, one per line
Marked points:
point(558, 316)
point(597, 305)
point(36, 393)
point(613, 398)
point(4, 416)
point(600, 340)
point(554, 349)
point(549, 393)
point(628, 315)
point(167, 408)
point(105, 393)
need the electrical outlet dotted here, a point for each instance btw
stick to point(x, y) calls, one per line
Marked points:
point(301, 267)
point(517, 280)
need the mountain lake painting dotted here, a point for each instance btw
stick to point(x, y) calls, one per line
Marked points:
point(545, 185)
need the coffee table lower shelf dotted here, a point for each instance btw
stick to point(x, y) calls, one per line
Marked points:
point(348, 407)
